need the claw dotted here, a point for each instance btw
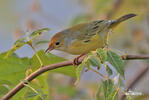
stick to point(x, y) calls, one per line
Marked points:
point(76, 60)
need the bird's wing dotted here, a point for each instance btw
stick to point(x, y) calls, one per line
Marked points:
point(87, 31)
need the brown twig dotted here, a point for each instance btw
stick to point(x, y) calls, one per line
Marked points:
point(134, 57)
point(54, 66)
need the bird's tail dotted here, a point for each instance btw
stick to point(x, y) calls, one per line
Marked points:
point(121, 19)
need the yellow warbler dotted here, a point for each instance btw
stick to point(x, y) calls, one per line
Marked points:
point(85, 37)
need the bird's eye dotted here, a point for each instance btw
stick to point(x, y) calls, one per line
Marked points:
point(57, 43)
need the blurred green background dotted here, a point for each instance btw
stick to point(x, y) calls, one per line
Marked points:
point(131, 37)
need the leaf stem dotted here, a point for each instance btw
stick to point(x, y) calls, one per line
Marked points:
point(37, 55)
point(98, 73)
point(34, 90)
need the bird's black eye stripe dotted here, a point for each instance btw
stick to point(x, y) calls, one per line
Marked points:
point(57, 43)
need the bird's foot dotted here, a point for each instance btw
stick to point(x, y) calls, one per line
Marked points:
point(76, 60)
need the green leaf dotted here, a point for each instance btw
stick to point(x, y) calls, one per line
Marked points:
point(87, 64)
point(37, 92)
point(78, 72)
point(38, 32)
point(120, 82)
point(13, 68)
point(99, 94)
point(109, 70)
point(48, 59)
point(3, 90)
point(13, 71)
point(19, 43)
point(107, 87)
point(116, 62)
point(41, 42)
point(30, 94)
point(109, 91)
point(113, 95)
point(102, 54)
point(94, 61)
point(5, 82)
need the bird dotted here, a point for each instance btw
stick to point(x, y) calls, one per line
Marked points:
point(84, 37)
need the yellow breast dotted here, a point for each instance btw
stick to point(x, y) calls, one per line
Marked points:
point(81, 47)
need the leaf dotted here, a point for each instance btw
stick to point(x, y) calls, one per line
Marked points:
point(107, 87)
point(48, 59)
point(5, 82)
point(78, 72)
point(87, 64)
point(41, 42)
point(30, 94)
point(41, 94)
point(37, 92)
point(102, 54)
point(38, 32)
point(3, 90)
point(13, 68)
point(19, 43)
point(12, 72)
point(99, 94)
point(116, 62)
point(109, 70)
point(94, 61)
point(109, 91)
point(113, 95)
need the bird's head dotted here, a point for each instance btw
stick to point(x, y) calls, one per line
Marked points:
point(56, 42)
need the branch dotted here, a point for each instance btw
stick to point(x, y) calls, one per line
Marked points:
point(134, 57)
point(54, 66)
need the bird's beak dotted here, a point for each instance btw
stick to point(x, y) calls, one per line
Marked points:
point(49, 49)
